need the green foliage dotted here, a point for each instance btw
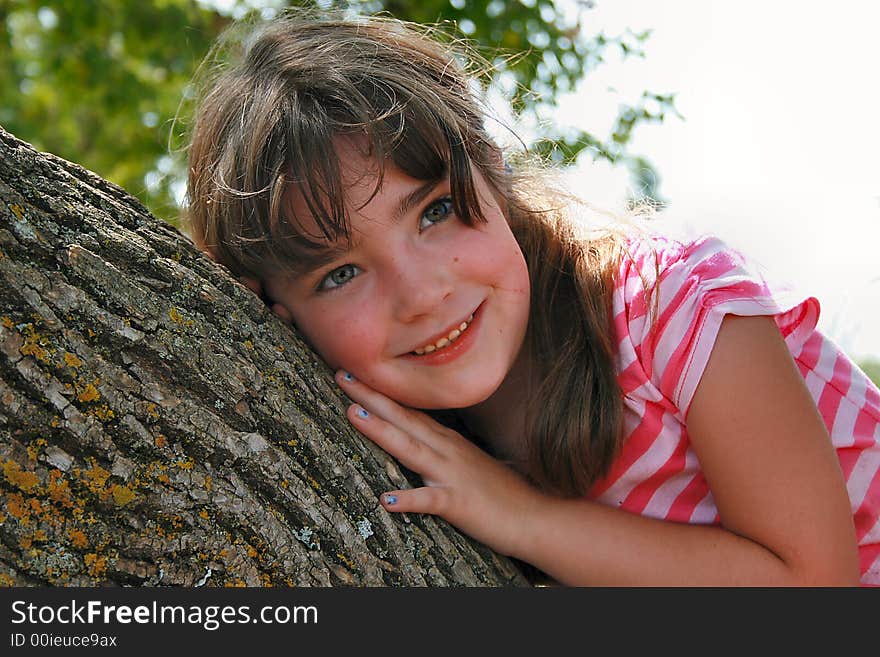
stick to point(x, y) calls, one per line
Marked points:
point(871, 367)
point(101, 82)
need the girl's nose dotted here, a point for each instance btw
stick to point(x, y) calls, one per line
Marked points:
point(420, 287)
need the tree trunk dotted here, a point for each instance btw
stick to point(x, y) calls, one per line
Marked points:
point(159, 426)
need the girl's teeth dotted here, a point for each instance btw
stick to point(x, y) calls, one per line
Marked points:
point(442, 342)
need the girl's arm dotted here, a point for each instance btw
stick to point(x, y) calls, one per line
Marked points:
point(774, 476)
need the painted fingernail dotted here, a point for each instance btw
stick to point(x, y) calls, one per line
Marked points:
point(390, 499)
point(362, 412)
point(348, 376)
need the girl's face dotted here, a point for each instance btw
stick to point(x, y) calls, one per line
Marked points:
point(413, 274)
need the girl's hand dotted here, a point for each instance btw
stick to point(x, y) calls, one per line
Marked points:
point(463, 484)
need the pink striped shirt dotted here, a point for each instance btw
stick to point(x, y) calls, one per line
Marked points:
point(657, 473)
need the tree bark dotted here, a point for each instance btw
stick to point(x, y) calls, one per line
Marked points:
point(158, 426)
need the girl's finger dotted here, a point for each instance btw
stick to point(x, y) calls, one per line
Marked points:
point(414, 422)
point(427, 499)
point(411, 452)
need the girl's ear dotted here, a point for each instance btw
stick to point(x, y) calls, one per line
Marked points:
point(256, 286)
point(282, 312)
point(278, 309)
point(253, 285)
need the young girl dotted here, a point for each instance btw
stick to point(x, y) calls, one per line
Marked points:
point(651, 412)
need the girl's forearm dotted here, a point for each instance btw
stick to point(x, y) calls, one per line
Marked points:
point(583, 543)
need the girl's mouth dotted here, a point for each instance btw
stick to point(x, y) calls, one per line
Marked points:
point(445, 341)
point(451, 346)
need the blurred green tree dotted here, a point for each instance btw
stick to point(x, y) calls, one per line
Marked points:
point(871, 367)
point(100, 82)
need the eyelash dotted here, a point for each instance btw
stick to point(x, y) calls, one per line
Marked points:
point(444, 202)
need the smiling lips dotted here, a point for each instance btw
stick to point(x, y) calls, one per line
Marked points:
point(446, 340)
point(452, 349)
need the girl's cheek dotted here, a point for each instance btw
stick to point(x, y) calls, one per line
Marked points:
point(351, 341)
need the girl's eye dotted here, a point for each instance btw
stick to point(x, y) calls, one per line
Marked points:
point(338, 277)
point(435, 213)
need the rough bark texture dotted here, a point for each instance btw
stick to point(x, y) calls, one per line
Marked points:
point(158, 426)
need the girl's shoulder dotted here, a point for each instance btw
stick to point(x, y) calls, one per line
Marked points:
point(653, 262)
point(664, 269)
point(671, 296)
point(654, 256)
point(703, 267)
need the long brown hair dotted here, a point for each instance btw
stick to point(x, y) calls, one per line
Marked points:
point(267, 123)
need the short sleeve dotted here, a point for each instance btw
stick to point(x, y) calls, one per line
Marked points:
point(699, 283)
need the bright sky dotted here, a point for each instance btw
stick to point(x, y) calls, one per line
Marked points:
point(778, 153)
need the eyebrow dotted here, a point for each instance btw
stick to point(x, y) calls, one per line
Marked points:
point(318, 256)
point(414, 198)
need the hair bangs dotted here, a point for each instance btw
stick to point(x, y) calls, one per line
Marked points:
point(429, 148)
point(415, 140)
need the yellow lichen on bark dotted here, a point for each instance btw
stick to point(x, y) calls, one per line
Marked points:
point(89, 393)
point(71, 360)
point(176, 317)
point(122, 495)
point(59, 489)
point(22, 479)
point(18, 211)
point(35, 447)
point(185, 464)
point(95, 478)
point(96, 564)
point(78, 538)
point(103, 413)
point(344, 559)
point(18, 508)
point(33, 344)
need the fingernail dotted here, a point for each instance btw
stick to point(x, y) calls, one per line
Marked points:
point(390, 499)
point(362, 412)
point(348, 376)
